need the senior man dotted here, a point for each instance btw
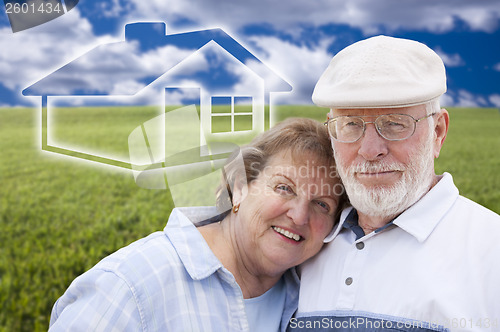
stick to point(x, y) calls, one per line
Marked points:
point(411, 254)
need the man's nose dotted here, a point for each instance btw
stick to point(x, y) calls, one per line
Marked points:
point(372, 145)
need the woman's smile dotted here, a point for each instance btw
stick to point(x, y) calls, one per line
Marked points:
point(287, 234)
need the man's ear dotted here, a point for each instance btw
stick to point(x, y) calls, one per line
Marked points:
point(441, 124)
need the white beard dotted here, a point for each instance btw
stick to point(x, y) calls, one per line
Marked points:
point(389, 201)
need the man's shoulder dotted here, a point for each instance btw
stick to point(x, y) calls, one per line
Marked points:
point(472, 227)
point(468, 208)
point(462, 207)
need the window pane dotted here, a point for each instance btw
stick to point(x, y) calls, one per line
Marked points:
point(221, 104)
point(221, 124)
point(242, 122)
point(243, 104)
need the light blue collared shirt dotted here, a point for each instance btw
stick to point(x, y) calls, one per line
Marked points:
point(168, 281)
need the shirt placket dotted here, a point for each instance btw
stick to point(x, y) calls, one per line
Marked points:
point(352, 270)
point(239, 321)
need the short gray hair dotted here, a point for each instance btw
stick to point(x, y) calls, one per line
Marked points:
point(432, 106)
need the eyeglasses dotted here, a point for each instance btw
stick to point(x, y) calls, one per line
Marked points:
point(392, 127)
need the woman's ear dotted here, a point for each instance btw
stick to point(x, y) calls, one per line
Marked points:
point(441, 129)
point(240, 189)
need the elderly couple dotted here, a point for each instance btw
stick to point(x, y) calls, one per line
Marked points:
point(404, 252)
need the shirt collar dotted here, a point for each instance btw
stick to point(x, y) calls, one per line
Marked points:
point(336, 230)
point(351, 222)
point(420, 219)
point(198, 258)
point(193, 250)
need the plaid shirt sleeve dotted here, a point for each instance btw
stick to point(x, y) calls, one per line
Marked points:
point(97, 301)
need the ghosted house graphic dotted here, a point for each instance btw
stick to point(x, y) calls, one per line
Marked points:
point(228, 86)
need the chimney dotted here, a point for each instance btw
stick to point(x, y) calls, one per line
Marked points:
point(145, 32)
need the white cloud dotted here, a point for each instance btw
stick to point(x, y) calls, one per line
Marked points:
point(437, 16)
point(298, 65)
point(495, 100)
point(113, 9)
point(463, 98)
point(446, 100)
point(450, 60)
point(482, 18)
point(497, 67)
point(468, 99)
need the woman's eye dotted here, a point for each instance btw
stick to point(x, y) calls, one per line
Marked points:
point(284, 188)
point(323, 206)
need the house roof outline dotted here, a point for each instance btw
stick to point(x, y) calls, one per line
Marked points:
point(156, 31)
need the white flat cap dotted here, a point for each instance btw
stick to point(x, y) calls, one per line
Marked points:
point(381, 72)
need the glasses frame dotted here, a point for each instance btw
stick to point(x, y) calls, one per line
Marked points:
point(415, 121)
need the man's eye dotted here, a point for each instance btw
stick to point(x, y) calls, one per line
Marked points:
point(353, 124)
point(395, 124)
point(395, 127)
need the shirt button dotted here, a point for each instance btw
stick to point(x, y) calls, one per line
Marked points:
point(348, 281)
point(360, 245)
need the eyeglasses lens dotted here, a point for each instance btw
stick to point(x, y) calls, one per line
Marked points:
point(395, 126)
point(391, 126)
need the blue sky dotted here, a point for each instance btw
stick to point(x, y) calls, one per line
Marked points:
point(296, 38)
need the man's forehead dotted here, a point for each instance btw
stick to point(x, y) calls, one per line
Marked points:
point(411, 110)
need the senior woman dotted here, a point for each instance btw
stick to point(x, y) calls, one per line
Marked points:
point(234, 272)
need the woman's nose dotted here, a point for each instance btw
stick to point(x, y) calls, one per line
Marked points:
point(298, 211)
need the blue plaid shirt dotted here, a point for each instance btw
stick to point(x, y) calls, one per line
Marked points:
point(168, 281)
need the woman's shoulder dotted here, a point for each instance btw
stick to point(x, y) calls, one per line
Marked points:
point(179, 251)
point(128, 280)
point(151, 254)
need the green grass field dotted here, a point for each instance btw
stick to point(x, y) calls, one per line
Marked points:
point(59, 215)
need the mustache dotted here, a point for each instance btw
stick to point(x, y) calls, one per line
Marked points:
point(376, 167)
